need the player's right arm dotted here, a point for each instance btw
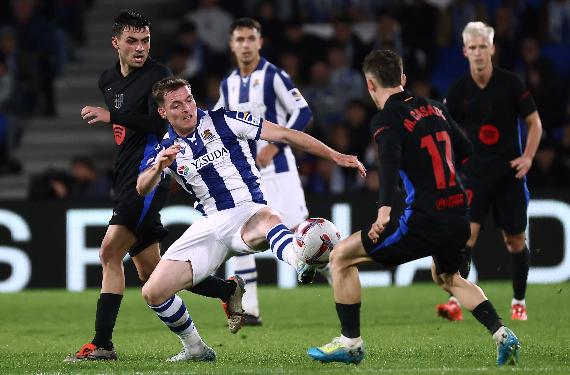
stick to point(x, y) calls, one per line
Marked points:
point(148, 179)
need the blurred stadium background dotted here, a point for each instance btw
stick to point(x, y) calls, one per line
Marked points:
point(55, 169)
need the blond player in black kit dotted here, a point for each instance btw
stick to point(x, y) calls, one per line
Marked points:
point(135, 226)
point(488, 103)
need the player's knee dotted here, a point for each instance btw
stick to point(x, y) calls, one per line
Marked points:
point(109, 255)
point(338, 258)
point(515, 243)
point(151, 295)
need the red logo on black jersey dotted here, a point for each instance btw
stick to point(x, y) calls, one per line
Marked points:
point(489, 134)
point(119, 132)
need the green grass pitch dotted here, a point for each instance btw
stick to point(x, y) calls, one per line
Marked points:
point(403, 336)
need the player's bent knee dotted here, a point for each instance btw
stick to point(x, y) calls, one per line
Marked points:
point(339, 256)
point(108, 255)
point(151, 295)
point(515, 243)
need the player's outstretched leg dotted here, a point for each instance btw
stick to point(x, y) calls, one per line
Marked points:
point(174, 314)
point(473, 299)
point(244, 266)
point(233, 306)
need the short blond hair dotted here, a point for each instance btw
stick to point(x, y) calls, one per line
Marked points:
point(478, 29)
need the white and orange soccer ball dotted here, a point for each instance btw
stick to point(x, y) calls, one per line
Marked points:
point(315, 239)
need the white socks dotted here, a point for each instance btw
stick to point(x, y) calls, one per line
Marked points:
point(500, 335)
point(518, 302)
point(351, 343)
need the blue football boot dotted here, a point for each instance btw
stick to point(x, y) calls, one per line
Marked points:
point(508, 349)
point(337, 351)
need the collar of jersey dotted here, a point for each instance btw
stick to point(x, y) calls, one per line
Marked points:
point(259, 66)
point(173, 135)
point(400, 96)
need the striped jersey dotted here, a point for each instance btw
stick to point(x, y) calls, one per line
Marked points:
point(267, 92)
point(215, 164)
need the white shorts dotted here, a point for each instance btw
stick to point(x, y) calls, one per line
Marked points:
point(212, 240)
point(284, 193)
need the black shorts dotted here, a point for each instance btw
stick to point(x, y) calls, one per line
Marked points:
point(507, 199)
point(141, 216)
point(418, 235)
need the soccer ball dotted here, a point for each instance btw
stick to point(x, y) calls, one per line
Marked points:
point(314, 240)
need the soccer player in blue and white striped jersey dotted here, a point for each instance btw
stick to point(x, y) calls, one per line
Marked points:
point(259, 87)
point(208, 155)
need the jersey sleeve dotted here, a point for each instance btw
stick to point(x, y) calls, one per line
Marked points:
point(524, 102)
point(290, 97)
point(389, 142)
point(243, 124)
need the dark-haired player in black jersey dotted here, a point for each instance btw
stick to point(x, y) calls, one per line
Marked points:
point(487, 103)
point(135, 226)
point(419, 142)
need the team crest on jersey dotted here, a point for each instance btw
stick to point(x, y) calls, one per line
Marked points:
point(255, 82)
point(183, 170)
point(207, 135)
point(119, 100)
point(247, 117)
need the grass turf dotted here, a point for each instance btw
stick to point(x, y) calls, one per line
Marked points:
point(403, 336)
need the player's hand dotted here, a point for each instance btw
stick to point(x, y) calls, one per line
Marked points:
point(167, 156)
point(95, 114)
point(522, 164)
point(266, 155)
point(350, 161)
point(378, 227)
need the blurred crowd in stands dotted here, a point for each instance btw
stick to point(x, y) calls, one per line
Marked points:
point(321, 44)
point(37, 38)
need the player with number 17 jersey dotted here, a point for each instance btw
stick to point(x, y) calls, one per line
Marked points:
point(419, 142)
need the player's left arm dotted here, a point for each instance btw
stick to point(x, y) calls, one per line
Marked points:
point(534, 132)
point(274, 133)
point(298, 110)
point(526, 108)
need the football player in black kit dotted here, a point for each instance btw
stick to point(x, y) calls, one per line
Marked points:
point(135, 226)
point(487, 103)
point(419, 142)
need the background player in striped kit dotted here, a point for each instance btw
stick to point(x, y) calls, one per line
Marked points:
point(261, 88)
point(208, 155)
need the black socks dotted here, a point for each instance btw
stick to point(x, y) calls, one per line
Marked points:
point(485, 313)
point(215, 287)
point(520, 263)
point(349, 316)
point(107, 309)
